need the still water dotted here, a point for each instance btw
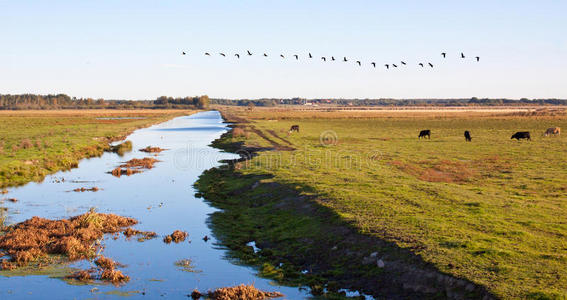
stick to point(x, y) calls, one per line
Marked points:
point(161, 199)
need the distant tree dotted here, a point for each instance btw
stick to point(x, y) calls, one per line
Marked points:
point(203, 102)
point(251, 106)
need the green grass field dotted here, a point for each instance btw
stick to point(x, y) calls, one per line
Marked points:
point(492, 211)
point(36, 143)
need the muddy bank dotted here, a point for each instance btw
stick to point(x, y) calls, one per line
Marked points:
point(294, 240)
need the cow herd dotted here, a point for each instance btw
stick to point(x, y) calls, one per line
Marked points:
point(518, 135)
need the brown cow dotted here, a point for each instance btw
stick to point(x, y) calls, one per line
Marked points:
point(553, 131)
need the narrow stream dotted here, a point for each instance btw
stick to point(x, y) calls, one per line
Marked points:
point(161, 199)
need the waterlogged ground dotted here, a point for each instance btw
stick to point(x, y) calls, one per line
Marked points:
point(161, 199)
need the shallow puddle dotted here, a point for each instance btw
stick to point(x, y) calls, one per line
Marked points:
point(161, 199)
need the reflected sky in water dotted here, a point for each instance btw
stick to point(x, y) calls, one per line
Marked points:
point(161, 199)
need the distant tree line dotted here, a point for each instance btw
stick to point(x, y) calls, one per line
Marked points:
point(62, 101)
point(393, 102)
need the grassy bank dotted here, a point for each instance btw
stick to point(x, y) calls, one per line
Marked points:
point(36, 143)
point(491, 211)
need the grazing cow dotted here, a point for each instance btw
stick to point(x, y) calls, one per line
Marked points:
point(468, 136)
point(424, 133)
point(522, 135)
point(294, 128)
point(552, 131)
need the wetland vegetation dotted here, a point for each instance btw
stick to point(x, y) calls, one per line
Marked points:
point(484, 212)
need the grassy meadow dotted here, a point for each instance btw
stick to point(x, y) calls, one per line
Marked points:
point(36, 143)
point(492, 211)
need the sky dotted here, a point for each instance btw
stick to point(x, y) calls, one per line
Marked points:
point(132, 49)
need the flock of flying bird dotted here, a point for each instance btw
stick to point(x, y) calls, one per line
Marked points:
point(443, 54)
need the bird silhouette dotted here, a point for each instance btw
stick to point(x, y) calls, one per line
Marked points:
point(387, 66)
point(282, 55)
point(373, 64)
point(358, 62)
point(237, 55)
point(403, 63)
point(296, 56)
point(430, 65)
point(421, 64)
point(222, 54)
point(323, 58)
point(444, 54)
point(183, 53)
point(395, 66)
point(478, 58)
point(249, 53)
point(207, 53)
point(265, 55)
point(332, 58)
point(344, 59)
point(310, 56)
point(205, 238)
point(462, 55)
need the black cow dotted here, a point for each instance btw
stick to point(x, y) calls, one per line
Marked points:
point(294, 128)
point(468, 136)
point(424, 133)
point(522, 135)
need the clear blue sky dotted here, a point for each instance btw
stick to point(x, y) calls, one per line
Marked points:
point(131, 49)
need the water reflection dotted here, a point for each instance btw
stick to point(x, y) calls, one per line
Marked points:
point(162, 199)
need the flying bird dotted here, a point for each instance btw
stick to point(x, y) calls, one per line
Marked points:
point(296, 56)
point(207, 53)
point(332, 58)
point(358, 62)
point(444, 54)
point(421, 64)
point(430, 65)
point(394, 65)
point(183, 53)
point(282, 55)
point(462, 55)
point(310, 56)
point(249, 53)
point(237, 55)
point(387, 66)
point(478, 58)
point(344, 59)
point(373, 64)
point(222, 54)
point(403, 63)
point(323, 58)
point(265, 55)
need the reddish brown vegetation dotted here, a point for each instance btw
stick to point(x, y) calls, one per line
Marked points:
point(150, 149)
point(114, 276)
point(105, 271)
point(82, 275)
point(454, 171)
point(74, 237)
point(119, 172)
point(144, 235)
point(105, 263)
point(93, 189)
point(134, 166)
point(177, 236)
point(238, 131)
point(242, 292)
point(196, 294)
